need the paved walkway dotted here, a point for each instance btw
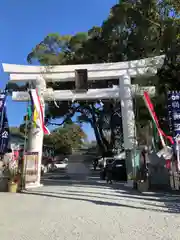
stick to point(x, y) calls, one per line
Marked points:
point(88, 211)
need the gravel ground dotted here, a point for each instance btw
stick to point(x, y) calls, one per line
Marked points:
point(88, 211)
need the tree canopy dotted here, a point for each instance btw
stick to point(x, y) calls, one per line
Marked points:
point(16, 131)
point(63, 139)
point(133, 30)
point(66, 138)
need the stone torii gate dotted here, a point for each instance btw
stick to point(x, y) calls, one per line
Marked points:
point(123, 71)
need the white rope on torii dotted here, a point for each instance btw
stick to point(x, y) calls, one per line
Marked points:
point(55, 103)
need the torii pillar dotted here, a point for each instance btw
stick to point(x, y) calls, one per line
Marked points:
point(35, 135)
point(128, 123)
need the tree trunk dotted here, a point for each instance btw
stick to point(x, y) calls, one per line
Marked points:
point(102, 142)
point(98, 137)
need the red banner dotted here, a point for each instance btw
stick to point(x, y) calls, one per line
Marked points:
point(154, 117)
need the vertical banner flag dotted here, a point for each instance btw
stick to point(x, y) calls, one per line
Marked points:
point(174, 120)
point(33, 115)
point(38, 110)
point(155, 119)
point(174, 112)
point(4, 126)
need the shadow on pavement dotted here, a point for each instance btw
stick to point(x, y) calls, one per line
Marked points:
point(134, 195)
point(105, 203)
point(157, 202)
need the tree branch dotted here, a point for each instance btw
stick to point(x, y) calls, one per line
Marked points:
point(67, 117)
point(57, 124)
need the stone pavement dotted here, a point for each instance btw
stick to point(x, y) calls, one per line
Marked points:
point(72, 210)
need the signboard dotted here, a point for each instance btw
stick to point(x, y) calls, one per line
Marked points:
point(174, 120)
point(174, 112)
point(31, 167)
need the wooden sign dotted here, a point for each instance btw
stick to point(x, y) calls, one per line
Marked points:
point(81, 80)
point(31, 167)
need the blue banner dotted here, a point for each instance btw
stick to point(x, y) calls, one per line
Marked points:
point(4, 126)
point(174, 112)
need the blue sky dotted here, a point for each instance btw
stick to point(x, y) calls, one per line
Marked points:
point(26, 23)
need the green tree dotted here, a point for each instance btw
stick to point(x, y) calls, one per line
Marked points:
point(66, 138)
point(16, 131)
point(133, 30)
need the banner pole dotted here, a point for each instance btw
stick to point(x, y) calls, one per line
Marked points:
point(160, 134)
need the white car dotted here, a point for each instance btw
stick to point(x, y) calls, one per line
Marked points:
point(60, 164)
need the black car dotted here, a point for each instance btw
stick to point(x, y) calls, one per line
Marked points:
point(118, 171)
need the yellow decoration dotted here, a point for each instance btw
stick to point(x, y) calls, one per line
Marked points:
point(35, 117)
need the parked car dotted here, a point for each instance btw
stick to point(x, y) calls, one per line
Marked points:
point(103, 161)
point(59, 164)
point(46, 164)
point(118, 170)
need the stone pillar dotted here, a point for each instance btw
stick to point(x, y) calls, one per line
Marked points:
point(128, 123)
point(34, 144)
point(35, 135)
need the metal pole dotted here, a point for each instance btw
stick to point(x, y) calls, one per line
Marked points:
point(23, 167)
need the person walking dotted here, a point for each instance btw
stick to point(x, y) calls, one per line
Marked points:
point(95, 164)
point(143, 165)
point(109, 172)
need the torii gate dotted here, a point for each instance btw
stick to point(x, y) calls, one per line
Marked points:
point(123, 71)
